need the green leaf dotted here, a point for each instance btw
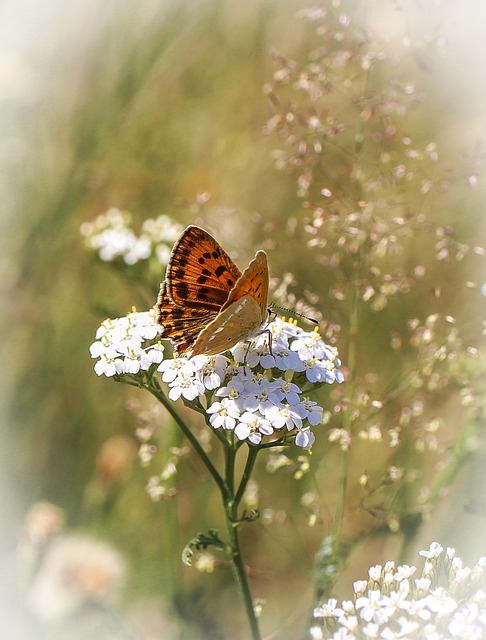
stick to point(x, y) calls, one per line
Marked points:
point(202, 541)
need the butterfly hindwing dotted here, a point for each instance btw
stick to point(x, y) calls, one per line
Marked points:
point(236, 323)
point(200, 273)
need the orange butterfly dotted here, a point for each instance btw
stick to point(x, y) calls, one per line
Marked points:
point(206, 305)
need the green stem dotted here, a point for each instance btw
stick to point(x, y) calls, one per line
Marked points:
point(160, 395)
point(230, 501)
point(344, 466)
point(170, 515)
point(341, 497)
point(230, 469)
point(250, 463)
point(238, 566)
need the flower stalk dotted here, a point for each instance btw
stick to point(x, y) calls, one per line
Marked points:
point(234, 552)
point(254, 396)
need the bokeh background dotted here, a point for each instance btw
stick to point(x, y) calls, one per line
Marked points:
point(144, 106)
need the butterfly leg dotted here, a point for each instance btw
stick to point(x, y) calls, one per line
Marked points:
point(269, 341)
point(248, 345)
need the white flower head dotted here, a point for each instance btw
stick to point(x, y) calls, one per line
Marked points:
point(329, 609)
point(74, 571)
point(224, 414)
point(251, 398)
point(125, 345)
point(394, 610)
point(112, 237)
point(252, 427)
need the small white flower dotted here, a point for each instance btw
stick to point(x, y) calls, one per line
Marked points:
point(375, 572)
point(369, 606)
point(261, 396)
point(348, 606)
point(212, 370)
point(132, 363)
point(371, 630)
point(287, 391)
point(462, 575)
point(233, 389)
point(349, 622)
point(315, 370)
point(251, 426)
point(314, 411)
point(286, 415)
point(155, 353)
point(422, 584)
point(223, 414)
point(407, 630)
point(171, 369)
point(185, 385)
point(310, 345)
point(305, 438)
point(450, 553)
point(440, 602)
point(316, 633)
point(463, 623)
point(388, 579)
point(429, 568)
point(144, 324)
point(434, 551)
point(328, 609)
point(404, 572)
point(342, 436)
point(108, 364)
point(106, 327)
point(282, 358)
point(480, 596)
point(389, 567)
point(359, 587)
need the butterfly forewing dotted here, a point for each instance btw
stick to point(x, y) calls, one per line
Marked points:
point(200, 273)
point(254, 282)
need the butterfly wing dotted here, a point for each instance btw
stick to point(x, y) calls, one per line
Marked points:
point(200, 274)
point(206, 305)
point(237, 322)
point(253, 282)
point(181, 325)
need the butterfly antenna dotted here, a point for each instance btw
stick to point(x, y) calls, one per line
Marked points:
point(295, 313)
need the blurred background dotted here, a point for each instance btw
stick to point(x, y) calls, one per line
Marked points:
point(144, 106)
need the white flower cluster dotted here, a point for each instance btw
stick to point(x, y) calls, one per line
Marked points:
point(111, 236)
point(391, 606)
point(126, 345)
point(246, 395)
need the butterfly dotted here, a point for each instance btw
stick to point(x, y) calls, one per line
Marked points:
point(205, 304)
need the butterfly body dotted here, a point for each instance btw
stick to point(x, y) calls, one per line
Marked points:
point(206, 305)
